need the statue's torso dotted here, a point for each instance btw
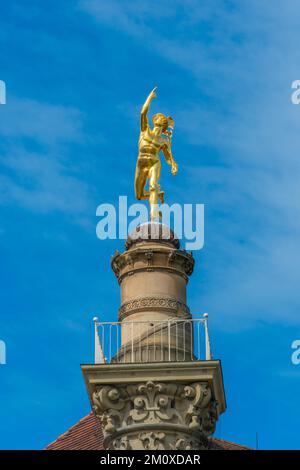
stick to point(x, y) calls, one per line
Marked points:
point(150, 144)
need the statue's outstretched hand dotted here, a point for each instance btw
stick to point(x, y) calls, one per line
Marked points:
point(152, 95)
point(174, 168)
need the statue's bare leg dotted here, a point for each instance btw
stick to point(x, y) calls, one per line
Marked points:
point(154, 189)
point(141, 175)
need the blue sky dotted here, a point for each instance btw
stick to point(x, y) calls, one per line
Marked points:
point(77, 73)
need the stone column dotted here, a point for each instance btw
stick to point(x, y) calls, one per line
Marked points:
point(155, 394)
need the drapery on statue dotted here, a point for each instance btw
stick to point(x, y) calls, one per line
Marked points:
point(148, 165)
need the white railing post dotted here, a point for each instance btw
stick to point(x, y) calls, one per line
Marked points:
point(169, 342)
point(99, 356)
point(132, 359)
point(208, 354)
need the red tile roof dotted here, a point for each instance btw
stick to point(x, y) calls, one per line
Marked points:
point(87, 435)
point(84, 435)
point(220, 444)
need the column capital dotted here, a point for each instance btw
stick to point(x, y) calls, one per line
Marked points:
point(142, 406)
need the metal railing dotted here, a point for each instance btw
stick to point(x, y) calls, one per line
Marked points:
point(152, 341)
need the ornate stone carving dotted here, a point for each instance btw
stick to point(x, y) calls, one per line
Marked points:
point(130, 260)
point(108, 402)
point(121, 443)
point(149, 257)
point(153, 303)
point(188, 266)
point(158, 409)
point(187, 443)
point(114, 263)
point(152, 402)
point(201, 412)
point(152, 440)
point(172, 257)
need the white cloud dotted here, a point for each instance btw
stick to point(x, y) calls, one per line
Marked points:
point(42, 184)
point(40, 180)
point(44, 122)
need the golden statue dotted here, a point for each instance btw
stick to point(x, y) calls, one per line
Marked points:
point(148, 166)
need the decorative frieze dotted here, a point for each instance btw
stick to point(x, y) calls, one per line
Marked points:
point(154, 303)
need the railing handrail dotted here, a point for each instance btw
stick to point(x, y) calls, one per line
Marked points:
point(187, 320)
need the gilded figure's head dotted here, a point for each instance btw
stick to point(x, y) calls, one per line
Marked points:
point(163, 121)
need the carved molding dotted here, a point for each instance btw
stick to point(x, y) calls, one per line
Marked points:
point(147, 415)
point(153, 303)
point(158, 257)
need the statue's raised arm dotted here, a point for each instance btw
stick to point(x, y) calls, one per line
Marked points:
point(145, 109)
